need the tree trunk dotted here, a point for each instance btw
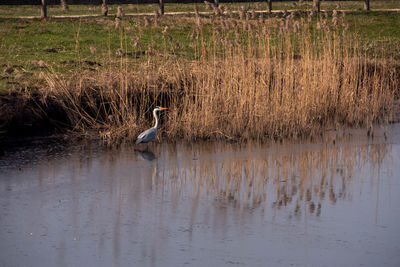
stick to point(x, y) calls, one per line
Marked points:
point(269, 6)
point(316, 5)
point(161, 7)
point(366, 4)
point(44, 9)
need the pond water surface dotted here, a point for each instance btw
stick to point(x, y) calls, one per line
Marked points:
point(328, 203)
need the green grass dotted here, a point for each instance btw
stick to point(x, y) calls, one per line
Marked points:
point(378, 30)
point(63, 46)
point(375, 25)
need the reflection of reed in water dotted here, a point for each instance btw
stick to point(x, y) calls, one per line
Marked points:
point(301, 178)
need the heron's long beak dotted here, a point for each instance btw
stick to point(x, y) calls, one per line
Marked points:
point(163, 108)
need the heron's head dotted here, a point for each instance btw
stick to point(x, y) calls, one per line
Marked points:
point(159, 108)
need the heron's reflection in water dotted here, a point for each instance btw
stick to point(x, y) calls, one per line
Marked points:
point(145, 155)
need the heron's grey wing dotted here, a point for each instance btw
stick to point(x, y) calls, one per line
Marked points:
point(146, 136)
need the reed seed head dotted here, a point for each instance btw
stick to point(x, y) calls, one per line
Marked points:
point(164, 31)
point(93, 49)
point(146, 21)
point(104, 9)
point(120, 14)
point(208, 5)
point(242, 12)
point(117, 22)
point(253, 14)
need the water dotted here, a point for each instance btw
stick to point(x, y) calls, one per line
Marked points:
point(331, 203)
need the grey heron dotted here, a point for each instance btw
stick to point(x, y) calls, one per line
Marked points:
point(150, 134)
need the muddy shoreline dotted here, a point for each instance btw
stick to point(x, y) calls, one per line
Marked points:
point(22, 116)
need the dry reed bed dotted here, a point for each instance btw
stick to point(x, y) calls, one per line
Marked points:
point(250, 80)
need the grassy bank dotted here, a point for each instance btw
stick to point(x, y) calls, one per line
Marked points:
point(241, 76)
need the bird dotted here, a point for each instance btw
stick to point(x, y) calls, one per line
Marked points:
point(150, 134)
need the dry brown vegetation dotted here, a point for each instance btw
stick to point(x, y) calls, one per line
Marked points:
point(250, 79)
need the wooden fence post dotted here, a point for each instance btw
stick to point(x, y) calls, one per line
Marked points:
point(44, 9)
point(366, 4)
point(269, 6)
point(161, 7)
point(64, 4)
point(104, 8)
point(316, 5)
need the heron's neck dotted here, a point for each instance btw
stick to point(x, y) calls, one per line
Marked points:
point(155, 117)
